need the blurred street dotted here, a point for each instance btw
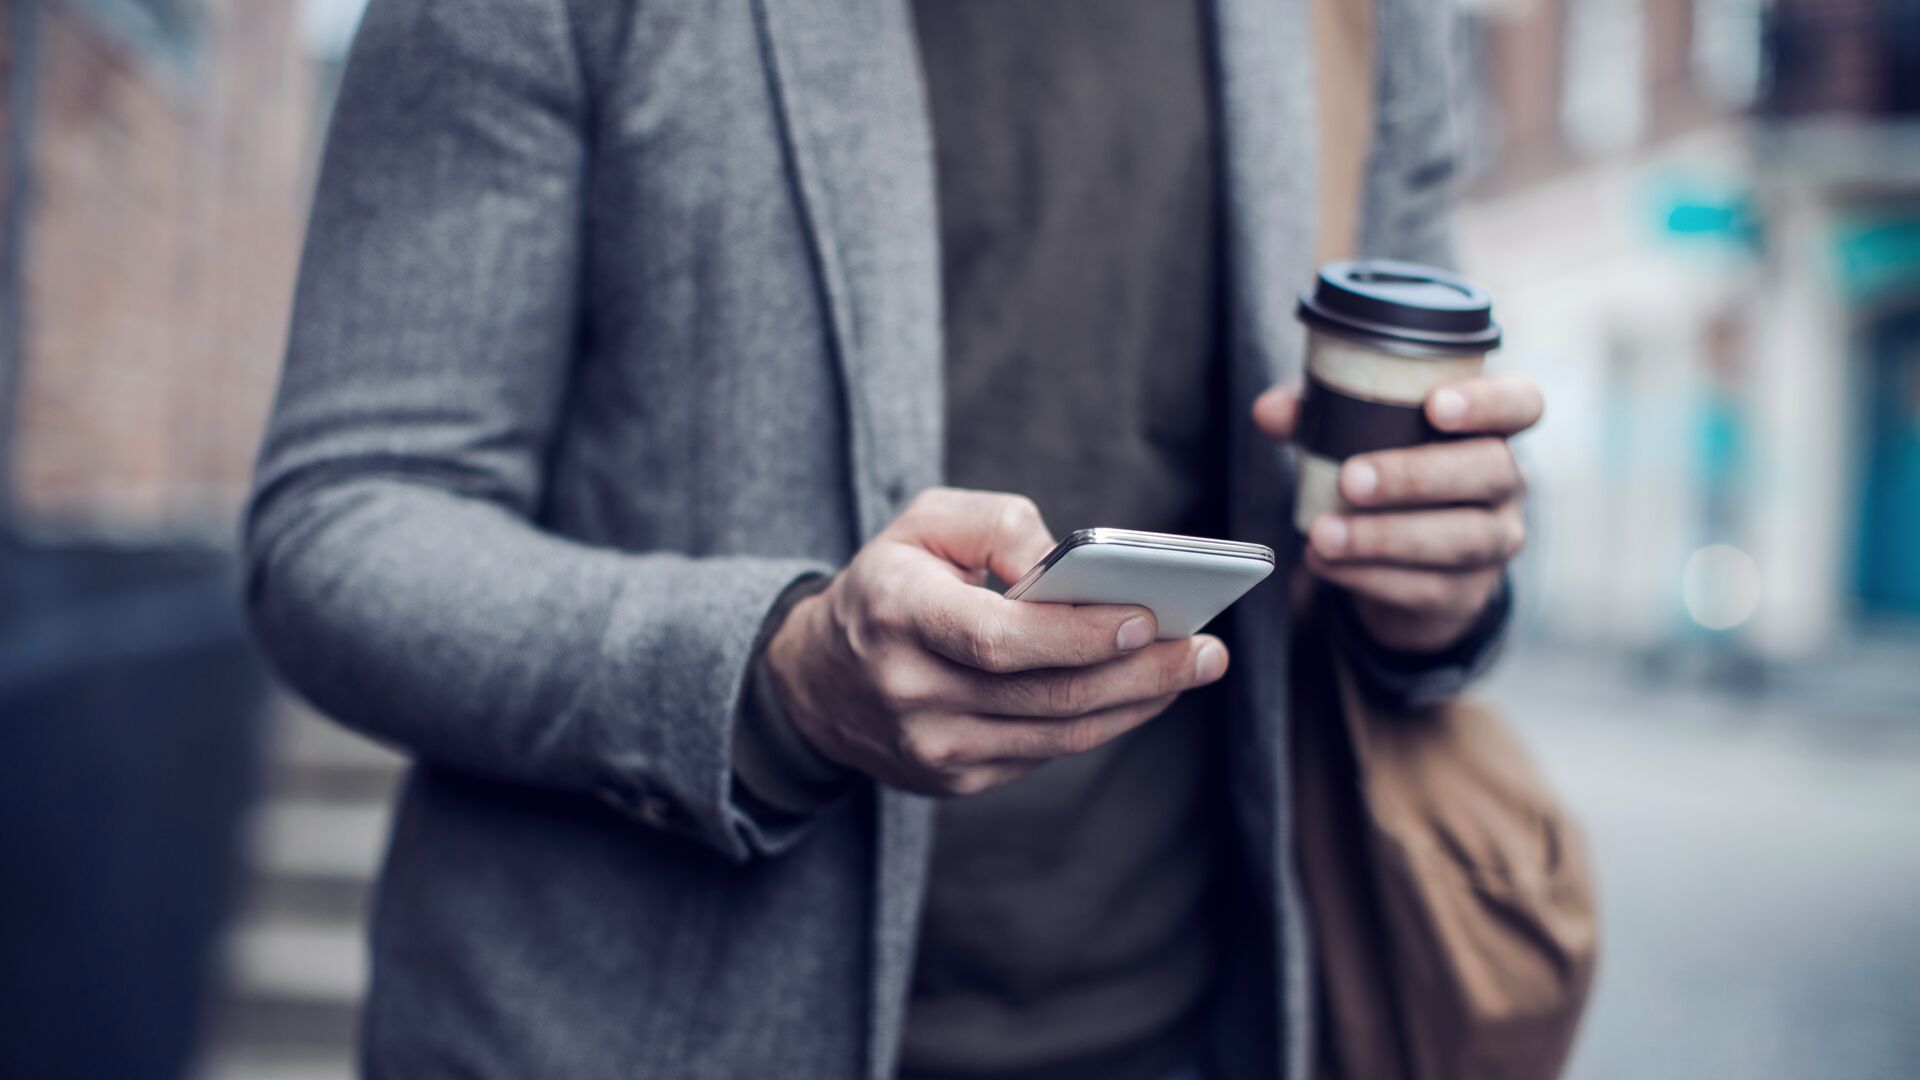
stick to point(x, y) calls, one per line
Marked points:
point(1701, 219)
point(1758, 866)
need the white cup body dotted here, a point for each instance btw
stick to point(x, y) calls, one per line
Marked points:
point(1359, 371)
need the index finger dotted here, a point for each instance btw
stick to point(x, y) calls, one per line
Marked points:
point(977, 530)
point(1432, 474)
point(986, 631)
point(1277, 412)
point(1489, 405)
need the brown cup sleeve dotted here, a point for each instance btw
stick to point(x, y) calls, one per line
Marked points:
point(1337, 425)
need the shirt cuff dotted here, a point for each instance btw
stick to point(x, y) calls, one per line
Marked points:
point(778, 774)
point(1424, 678)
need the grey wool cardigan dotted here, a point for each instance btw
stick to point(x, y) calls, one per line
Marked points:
point(616, 317)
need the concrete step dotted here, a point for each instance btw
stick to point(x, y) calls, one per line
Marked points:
point(312, 839)
point(258, 1040)
point(311, 757)
point(252, 1037)
point(268, 1064)
point(305, 739)
point(295, 963)
point(302, 960)
point(321, 900)
point(290, 999)
point(339, 784)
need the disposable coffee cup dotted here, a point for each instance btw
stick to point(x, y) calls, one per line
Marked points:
point(1382, 335)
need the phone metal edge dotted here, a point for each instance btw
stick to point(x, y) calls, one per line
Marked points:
point(1074, 539)
point(1240, 549)
point(1236, 549)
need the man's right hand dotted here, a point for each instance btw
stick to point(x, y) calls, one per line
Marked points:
point(906, 669)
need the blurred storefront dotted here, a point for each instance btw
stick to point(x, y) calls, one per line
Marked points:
point(1703, 227)
point(1839, 149)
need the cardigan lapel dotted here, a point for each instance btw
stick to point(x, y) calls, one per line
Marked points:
point(1269, 133)
point(1270, 140)
point(859, 146)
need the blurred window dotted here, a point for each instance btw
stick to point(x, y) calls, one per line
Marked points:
point(168, 28)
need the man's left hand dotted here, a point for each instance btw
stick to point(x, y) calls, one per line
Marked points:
point(1433, 526)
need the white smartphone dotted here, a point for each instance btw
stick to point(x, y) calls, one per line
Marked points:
point(1184, 580)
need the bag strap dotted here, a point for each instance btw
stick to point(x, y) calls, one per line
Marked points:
point(1361, 1029)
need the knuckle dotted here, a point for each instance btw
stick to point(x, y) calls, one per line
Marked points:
point(1019, 510)
point(855, 622)
point(1018, 515)
point(963, 782)
point(930, 748)
point(1401, 476)
point(1516, 538)
point(1490, 542)
point(1443, 593)
point(1176, 674)
point(1505, 472)
point(1492, 548)
point(1532, 401)
point(1086, 640)
point(928, 499)
point(1023, 693)
point(901, 686)
point(1509, 463)
point(1427, 592)
point(1038, 744)
point(939, 623)
point(988, 647)
point(1077, 737)
point(1365, 536)
point(909, 744)
point(885, 609)
point(1065, 693)
point(878, 589)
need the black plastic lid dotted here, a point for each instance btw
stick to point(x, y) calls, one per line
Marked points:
point(1401, 307)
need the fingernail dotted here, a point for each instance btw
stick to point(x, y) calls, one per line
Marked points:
point(1360, 481)
point(1329, 535)
point(1135, 633)
point(1449, 407)
point(1211, 663)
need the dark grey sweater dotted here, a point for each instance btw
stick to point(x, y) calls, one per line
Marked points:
point(1065, 931)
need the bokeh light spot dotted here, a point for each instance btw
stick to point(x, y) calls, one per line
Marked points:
point(1721, 586)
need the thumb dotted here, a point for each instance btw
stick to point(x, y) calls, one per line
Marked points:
point(977, 530)
point(1277, 412)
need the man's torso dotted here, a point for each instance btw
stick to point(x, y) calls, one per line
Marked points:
point(1066, 930)
point(758, 373)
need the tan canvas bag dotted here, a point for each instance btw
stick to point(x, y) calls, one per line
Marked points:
point(1451, 895)
point(1452, 900)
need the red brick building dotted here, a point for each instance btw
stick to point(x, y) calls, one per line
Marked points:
point(168, 159)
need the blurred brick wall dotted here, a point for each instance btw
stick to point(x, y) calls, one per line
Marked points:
point(171, 192)
point(1524, 74)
